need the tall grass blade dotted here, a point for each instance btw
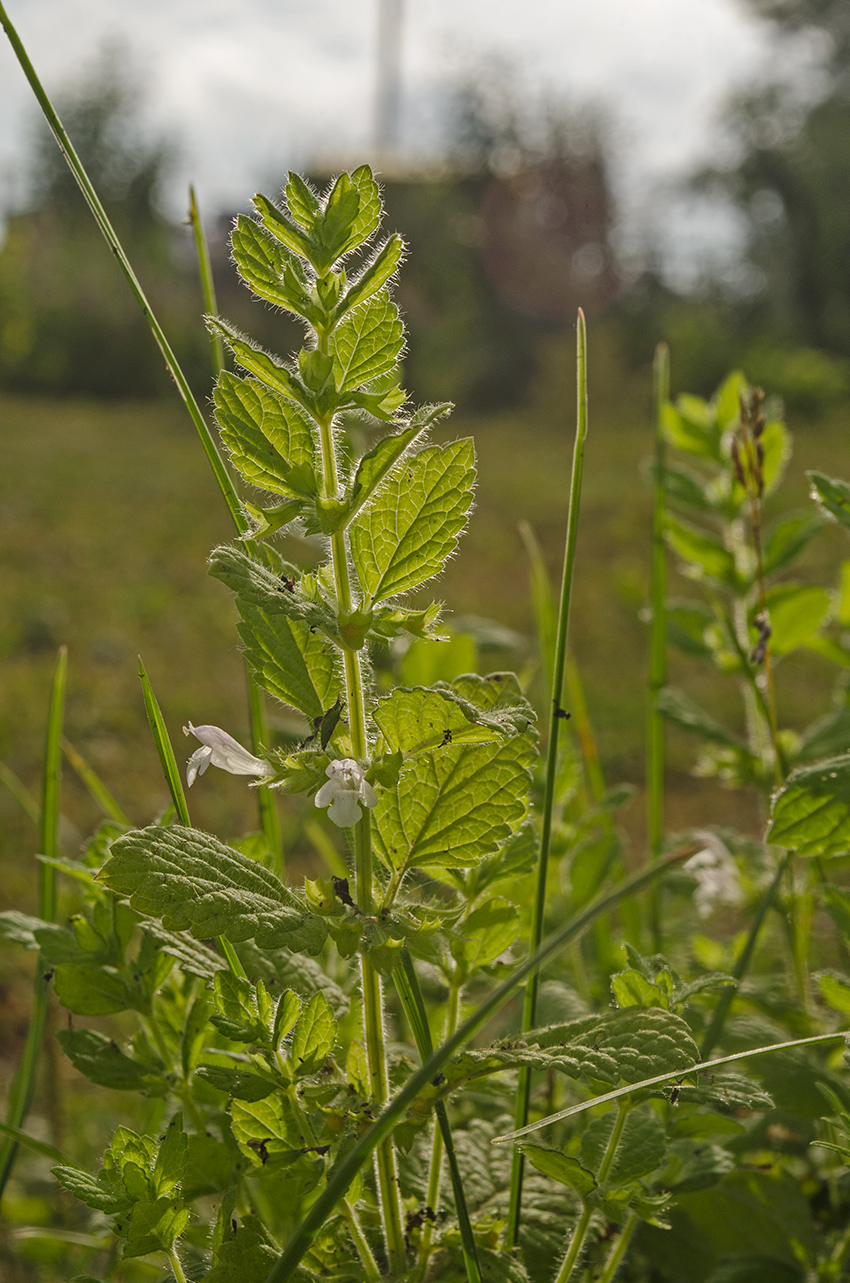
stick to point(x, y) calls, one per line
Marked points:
point(658, 641)
point(207, 283)
point(674, 1075)
point(543, 602)
point(345, 1170)
point(19, 792)
point(23, 1086)
point(410, 994)
point(557, 713)
point(94, 784)
point(100, 216)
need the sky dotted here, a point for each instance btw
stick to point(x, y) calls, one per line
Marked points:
point(249, 87)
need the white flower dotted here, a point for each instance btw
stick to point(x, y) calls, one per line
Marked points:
point(346, 788)
point(716, 873)
point(222, 750)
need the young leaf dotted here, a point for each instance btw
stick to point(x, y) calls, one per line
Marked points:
point(302, 202)
point(252, 358)
point(811, 813)
point(569, 1171)
point(196, 883)
point(705, 557)
point(171, 1159)
point(238, 1083)
point(367, 343)
point(268, 270)
point(796, 613)
point(485, 934)
point(313, 1036)
point(631, 989)
point(383, 457)
point(268, 436)
point(257, 586)
point(454, 804)
point(293, 663)
point(96, 1192)
point(275, 220)
point(100, 1060)
point(377, 272)
point(408, 532)
point(238, 1014)
point(832, 496)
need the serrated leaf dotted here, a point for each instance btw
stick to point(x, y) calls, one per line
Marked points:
point(704, 557)
point(693, 1165)
point(367, 343)
point(410, 529)
point(258, 586)
point(93, 991)
point(726, 1091)
point(629, 1045)
point(153, 1225)
point(313, 1036)
point(103, 1062)
point(454, 804)
point(631, 989)
point(640, 1150)
point(680, 709)
point(246, 1254)
point(376, 273)
point(94, 1192)
point(269, 437)
point(486, 933)
point(171, 1159)
point(414, 721)
point(274, 219)
point(261, 1130)
point(811, 812)
point(369, 209)
point(287, 1013)
point(196, 883)
point(267, 269)
point(241, 1084)
point(302, 202)
point(569, 1171)
point(382, 458)
point(238, 1015)
point(832, 496)
point(193, 958)
point(252, 358)
point(296, 665)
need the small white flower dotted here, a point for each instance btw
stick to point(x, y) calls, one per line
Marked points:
point(716, 873)
point(222, 750)
point(346, 788)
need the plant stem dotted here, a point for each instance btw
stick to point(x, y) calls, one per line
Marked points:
point(347, 1168)
point(727, 996)
point(207, 281)
point(615, 1260)
point(529, 1010)
point(176, 1267)
point(361, 1243)
point(580, 1234)
point(436, 1169)
point(373, 1014)
point(23, 1086)
point(658, 643)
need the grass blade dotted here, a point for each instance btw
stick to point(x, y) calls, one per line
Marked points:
point(100, 216)
point(23, 1086)
point(29, 1142)
point(94, 784)
point(407, 986)
point(658, 642)
point(19, 792)
point(163, 747)
point(345, 1171)
point(207, 283)
point(675, 1075)
point(529, 1011)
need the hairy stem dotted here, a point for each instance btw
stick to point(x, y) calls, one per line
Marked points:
point(436, 1169)
point(615, 1260)
point(360, 1241)
point(580, 1234)
point(176, 1267)
point(557, 714)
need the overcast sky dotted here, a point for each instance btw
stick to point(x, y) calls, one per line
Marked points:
point(251, 86)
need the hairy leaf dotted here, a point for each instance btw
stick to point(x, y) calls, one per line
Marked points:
point(241, 1084)
point(268, 270)
point(424, 718)
point(96, 1192)
point(196, 883)
point(314, 1035)
point(832, 496)
point(410, 529)
point(257, 586)
point(269, 437)
point(811, 812)
point(292, 662)
point(569, 1171)
point(376, 273)
point(102, 1061)
point(382, 458)
point(367, 343)
point(93, 991)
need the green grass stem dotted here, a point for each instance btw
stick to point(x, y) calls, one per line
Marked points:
point(658, 641)
point(348, 1167)
point(557, 714)
point(23, 1085)
point(18, 790)
point(205, 272)
point(410, 994)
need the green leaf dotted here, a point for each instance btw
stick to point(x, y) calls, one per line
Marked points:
point(286, 1015)
point(238, 1004)
point(274, 219)
point(407, 533)
point(367, 343)
point(376, 273)
point(193, 1034)
point(252, 358)
point(680, 709)
point(94, 1192)
point(832, 496)
point(293, 663)
point(640, 1151)
point(268, 270)
point(785, 539)
point(631, 989)
point(485, 934)
point(269, 437)
point(171, 1159)
point(727, 400)
point(691, 425)
point(627, 1045)
point(796, 613)
point(193, 958)
point(811, 813)
point(154, 1225)
point(241, 1084)
point(369, 210)
point(454, 805)
point(313, 1036)
point(101, 1061)
point(93, 991)
point(705, 558)
point(683, 486)
point(693, 1164)
point(835, 989)
point(413, 721)
point(569, 1171)
point(196, 883)
point(266, 1132)
point(827, 737)
point(382, 458)
point(246, 1254)
point(255, 585)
